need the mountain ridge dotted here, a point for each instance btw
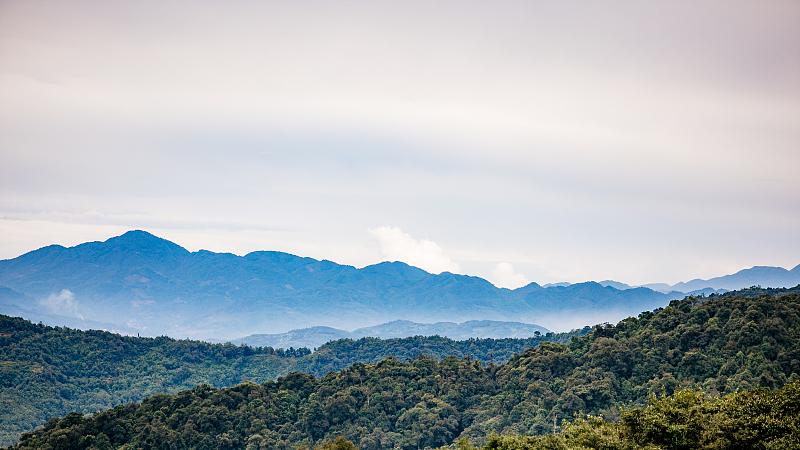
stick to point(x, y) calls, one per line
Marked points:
point(52, 371)
point(764, 276)
point(313, 337)
point(138, 281)
point(724, 343)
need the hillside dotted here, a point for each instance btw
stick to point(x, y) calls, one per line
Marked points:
point(316, 336)
point(160, 288)
point(47, 372)
point(688, 419)
point(722, 344)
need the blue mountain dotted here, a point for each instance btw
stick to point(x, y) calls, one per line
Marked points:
point(764, 276)
point(138, 282)
point(314, 337)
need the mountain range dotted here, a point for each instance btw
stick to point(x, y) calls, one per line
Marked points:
point(726, 344)
point(140, 283)
point(764, 276)
point(52, 371)
point(314, 337)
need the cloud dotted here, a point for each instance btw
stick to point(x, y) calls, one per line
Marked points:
point(523, 138)
point(63, 303)
point(398, 245)
point(504, 275)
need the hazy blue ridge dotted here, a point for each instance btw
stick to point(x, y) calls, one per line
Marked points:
point(140, 283)
point(314, 337)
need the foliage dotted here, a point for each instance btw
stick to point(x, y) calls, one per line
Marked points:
point(342, 353)
point(687, 420)
point(47, 372)
point(721, 344)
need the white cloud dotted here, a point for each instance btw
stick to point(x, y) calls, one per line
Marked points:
point(504, 275)
point(63, 303)
point(398, 245)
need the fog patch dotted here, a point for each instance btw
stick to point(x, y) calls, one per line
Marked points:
point(62, 303)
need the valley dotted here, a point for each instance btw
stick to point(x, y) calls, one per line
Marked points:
point(720, 344)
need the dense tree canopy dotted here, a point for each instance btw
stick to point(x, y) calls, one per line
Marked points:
point(721, 344)
point(47, 372)
point(687, 420)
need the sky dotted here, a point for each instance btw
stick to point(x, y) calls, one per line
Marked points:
point(518, 141)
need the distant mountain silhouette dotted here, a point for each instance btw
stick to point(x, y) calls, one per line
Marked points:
point(141, 283)
point(615, 284)
point(764, 276)
point(559, 284)
point(314, 337)
point(311, 338)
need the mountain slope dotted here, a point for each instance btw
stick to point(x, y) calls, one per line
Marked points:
point(753, 419)
point(47, 372)
point(140, 282)
point(724, 344)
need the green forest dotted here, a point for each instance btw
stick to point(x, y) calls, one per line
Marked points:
point(688, 419)
point(704, 372)
point(47, 372)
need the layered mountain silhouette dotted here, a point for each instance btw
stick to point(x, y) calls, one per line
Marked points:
point(314, 337)
point(764, 276)
point(138, 282)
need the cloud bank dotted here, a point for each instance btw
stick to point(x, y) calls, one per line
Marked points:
point(505, 276)
point(397, 245)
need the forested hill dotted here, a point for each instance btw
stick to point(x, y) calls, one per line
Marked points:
point(687, 420)
point(719, 344)
point(47, 372)
point(316, 336)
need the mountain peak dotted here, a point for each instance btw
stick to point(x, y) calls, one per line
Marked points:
point(390, 266)
point(532, 286)
point(615, 284)
point(277, 257)
point(142, 240)
point(765, 269)
point(396, 269)
point(136, 235)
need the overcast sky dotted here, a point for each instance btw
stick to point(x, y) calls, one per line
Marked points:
point(518, 141)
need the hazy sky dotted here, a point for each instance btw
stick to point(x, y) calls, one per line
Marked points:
point(519, 141)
